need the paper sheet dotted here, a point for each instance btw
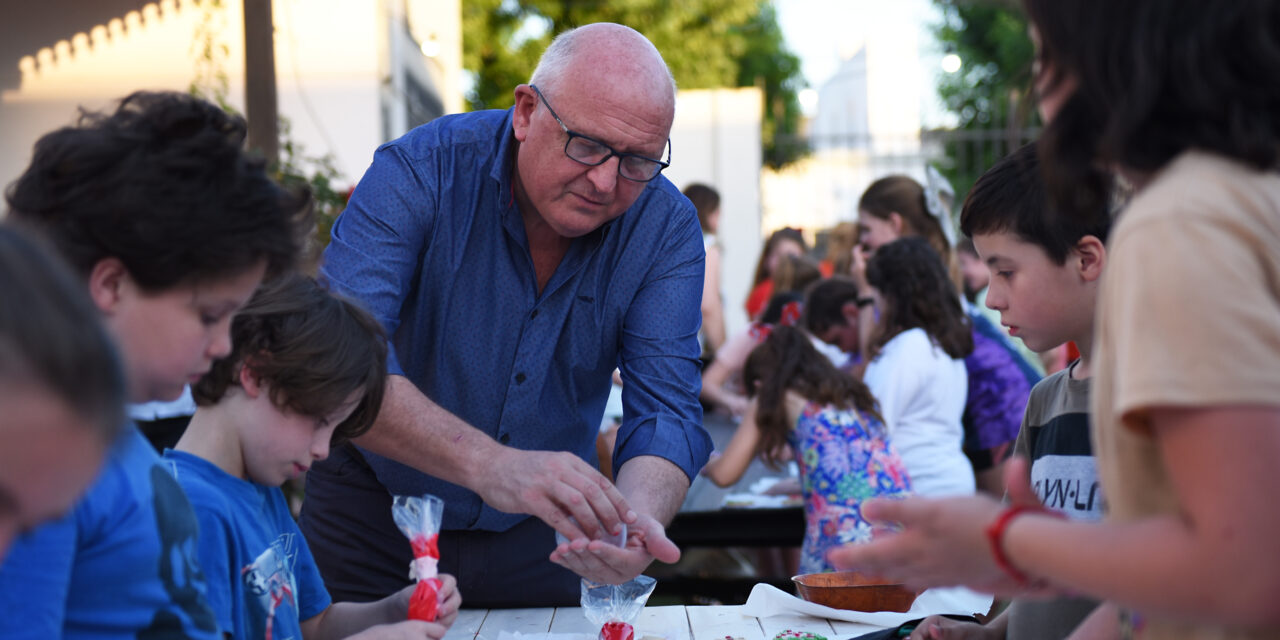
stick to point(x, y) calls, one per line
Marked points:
point(767, 600)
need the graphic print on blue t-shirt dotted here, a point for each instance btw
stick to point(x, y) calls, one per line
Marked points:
point(270, 577)
point(179, 570)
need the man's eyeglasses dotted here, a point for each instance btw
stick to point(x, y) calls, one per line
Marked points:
point(592, 152)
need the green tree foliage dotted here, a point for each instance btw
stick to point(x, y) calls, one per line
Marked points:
point(707, 43)
point(991, 93)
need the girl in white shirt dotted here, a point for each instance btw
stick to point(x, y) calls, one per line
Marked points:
point(916, 368)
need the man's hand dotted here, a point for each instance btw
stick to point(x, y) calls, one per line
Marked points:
point(602, 562)
point(941, 542)
point(557, 487)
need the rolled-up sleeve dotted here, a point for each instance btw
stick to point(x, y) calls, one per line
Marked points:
point(378, 240)
point(660, 369)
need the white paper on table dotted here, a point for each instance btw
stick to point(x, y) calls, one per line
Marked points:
point(767, 600)
point(762, 485)
point(516, 635)
point(755, 501)
point(668, 634)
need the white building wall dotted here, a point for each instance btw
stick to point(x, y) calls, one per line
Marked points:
point(866, 126)
point(716, 140)
point(332, 66)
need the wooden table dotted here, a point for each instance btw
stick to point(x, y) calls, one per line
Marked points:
point(694, 623)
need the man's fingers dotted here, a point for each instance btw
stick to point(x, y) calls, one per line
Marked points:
point(592, 500)
point(559, 519)
point(657, 544)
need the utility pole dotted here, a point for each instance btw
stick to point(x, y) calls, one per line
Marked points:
point(261, 108)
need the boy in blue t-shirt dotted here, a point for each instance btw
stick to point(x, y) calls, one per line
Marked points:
point(171, 225)
point(61, 387)
point(307, 369)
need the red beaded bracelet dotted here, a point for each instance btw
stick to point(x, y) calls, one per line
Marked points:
point(995, 535)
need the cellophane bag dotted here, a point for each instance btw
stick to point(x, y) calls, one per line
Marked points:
point(616, 606)
point(419, 519)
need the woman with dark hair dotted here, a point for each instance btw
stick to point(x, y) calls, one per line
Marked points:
point(916, 364)
point(783, 242)
point(1180, 98)
point(1000, 378)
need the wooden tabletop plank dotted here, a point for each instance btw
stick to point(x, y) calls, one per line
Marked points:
point(572, 620)
point(773, 625)
point(845, 630)
point(718, 623)
point(671, 622)
point(513, 620)
point(467, 624)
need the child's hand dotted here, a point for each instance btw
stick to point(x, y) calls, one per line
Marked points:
point(944, 628)
point(706, 468)
point(407, 630)
point(858, 269)
point(450, 600)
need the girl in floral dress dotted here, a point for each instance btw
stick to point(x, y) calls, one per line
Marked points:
point(802, 405)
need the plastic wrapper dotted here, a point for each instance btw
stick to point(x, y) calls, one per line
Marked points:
point(419, 519)
point(616, 606)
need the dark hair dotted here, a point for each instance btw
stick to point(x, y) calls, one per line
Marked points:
point(786, 360)
point(51, 335)
point(785, 233)
point(904, 196)
point(794, 273)
point(705, 199)
point(1154, 79)
point(1010, 197)
point(312, 348)
point(163, 185)
point(916, 291)
point(772, 313)
point(824, 303)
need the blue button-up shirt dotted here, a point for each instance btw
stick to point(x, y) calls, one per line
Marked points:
point(433, 243)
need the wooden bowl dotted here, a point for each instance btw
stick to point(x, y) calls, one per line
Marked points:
point(854, 591)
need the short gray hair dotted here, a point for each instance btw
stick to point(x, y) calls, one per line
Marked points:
point(560, 52)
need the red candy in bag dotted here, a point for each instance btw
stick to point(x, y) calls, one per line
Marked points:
point(615, 606)
point(617, 631)
point(419, 520)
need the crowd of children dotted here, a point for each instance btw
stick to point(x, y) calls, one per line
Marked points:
point(170, 227)
point(1125, 495)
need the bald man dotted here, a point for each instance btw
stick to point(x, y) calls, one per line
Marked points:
point(516, 258)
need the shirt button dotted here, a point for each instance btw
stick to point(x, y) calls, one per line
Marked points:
point(520, 378)
point(533, 314)
point(504, 438)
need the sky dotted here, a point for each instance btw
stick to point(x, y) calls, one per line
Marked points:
point(824, 32)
